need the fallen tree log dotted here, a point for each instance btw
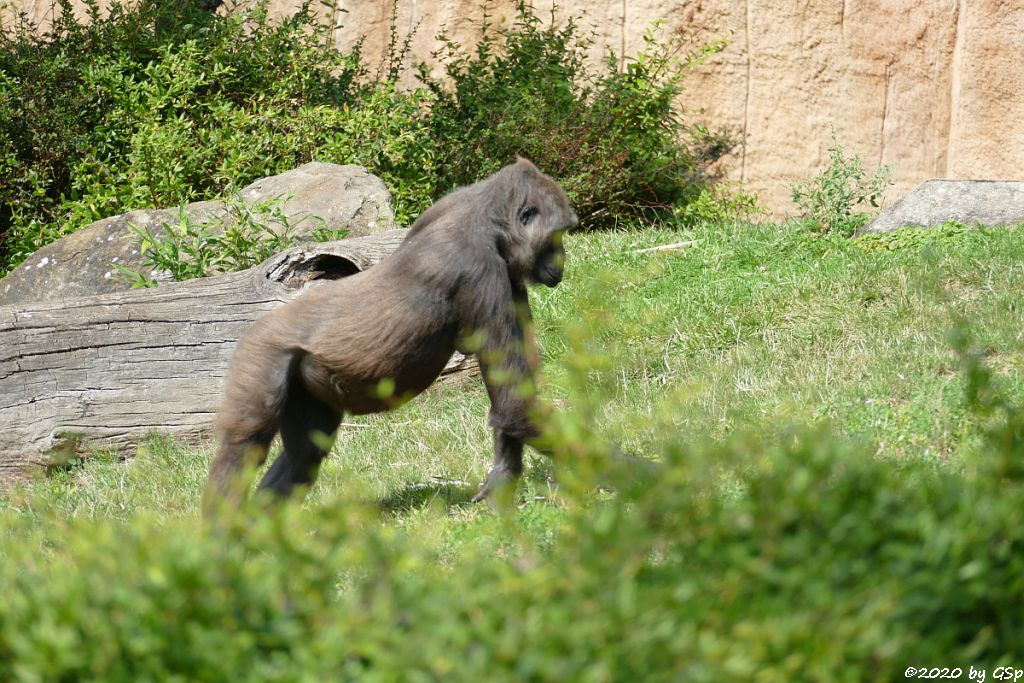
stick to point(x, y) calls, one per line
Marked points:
point(105, 371)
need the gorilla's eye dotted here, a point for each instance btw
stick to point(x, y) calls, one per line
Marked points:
point(527, 214)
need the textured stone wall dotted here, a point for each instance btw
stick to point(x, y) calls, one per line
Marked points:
point(934, 88)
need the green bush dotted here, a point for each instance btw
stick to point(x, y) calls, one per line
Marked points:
point(830, 199)
point(719, 203)
point(614, 138)
point(157, 104)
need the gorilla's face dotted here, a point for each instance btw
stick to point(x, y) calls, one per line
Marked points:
point(550, 263)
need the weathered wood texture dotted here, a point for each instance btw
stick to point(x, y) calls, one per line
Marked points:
point(104, 371)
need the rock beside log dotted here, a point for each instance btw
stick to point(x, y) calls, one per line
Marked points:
point(85, 263)
point(971, 202)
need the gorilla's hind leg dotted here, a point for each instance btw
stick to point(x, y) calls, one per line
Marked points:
point(307, 430)
point(249, 416)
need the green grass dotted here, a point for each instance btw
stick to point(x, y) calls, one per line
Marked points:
point(833, 506)
point(758, 327)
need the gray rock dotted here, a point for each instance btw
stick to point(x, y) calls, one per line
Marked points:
point(972, 202)
point(328, 195)
point(85, 262)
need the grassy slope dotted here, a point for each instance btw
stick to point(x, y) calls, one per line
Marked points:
point(748, 328)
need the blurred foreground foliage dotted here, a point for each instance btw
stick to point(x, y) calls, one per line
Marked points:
point(796, 557)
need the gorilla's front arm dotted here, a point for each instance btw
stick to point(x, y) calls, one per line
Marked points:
point(508, 366)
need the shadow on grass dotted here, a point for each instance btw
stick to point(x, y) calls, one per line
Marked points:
point(420, 495)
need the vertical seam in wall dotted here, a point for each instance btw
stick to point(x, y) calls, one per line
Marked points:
point(746, 99)
point(337, 11)
point(622, 37)
point(885, 112)
point(954, 85)
point(404, 74)
point(842, 22)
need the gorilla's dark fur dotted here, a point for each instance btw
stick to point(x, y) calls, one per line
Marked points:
point(366, 343)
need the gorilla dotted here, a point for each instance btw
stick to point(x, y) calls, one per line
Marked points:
point(369, 342)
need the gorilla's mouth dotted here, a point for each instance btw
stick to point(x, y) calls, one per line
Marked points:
point(549, 275)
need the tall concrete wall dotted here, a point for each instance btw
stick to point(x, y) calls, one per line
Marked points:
point(934, 88)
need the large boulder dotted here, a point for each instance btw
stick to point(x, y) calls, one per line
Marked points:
point(315, 195)
point(972, 202)
point(328, 195)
